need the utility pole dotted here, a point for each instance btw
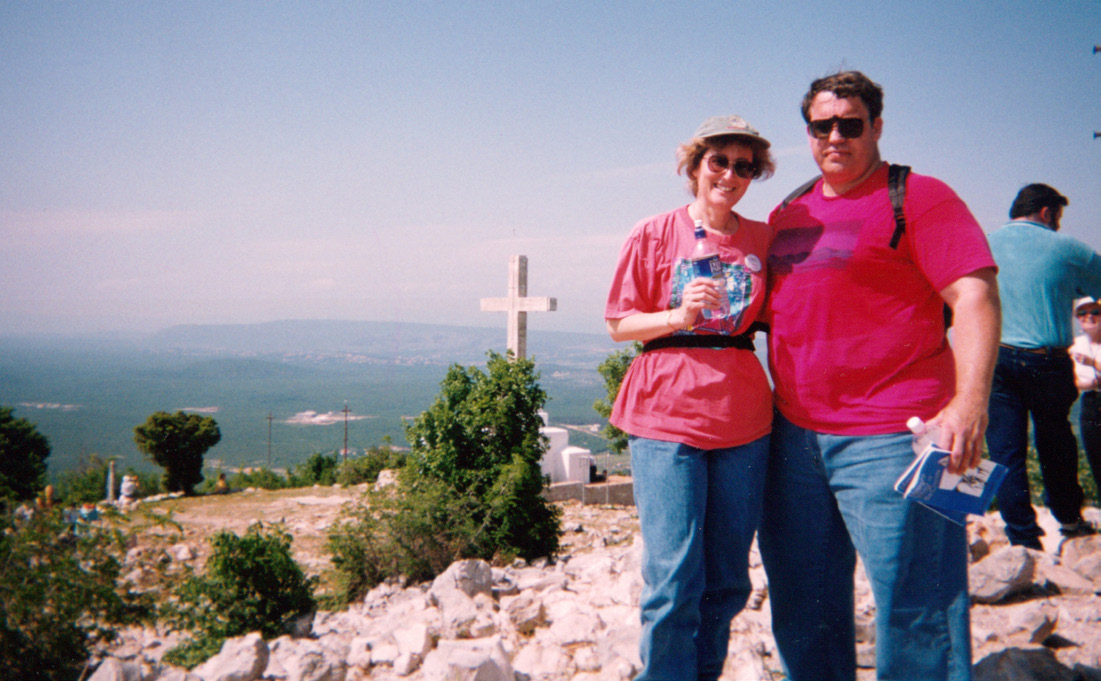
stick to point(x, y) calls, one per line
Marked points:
point(269, 439)
point(345, 450)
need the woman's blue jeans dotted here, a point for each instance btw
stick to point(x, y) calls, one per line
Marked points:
point(827, 498)
point(698, 510)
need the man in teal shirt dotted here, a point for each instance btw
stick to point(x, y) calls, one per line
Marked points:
point(1040, 273)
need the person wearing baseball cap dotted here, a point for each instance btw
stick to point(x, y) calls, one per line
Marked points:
point(1086, 354)
point(696, 404)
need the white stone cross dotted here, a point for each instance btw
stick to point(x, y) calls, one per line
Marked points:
point(518, 305)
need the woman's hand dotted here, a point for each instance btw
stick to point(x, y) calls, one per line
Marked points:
point(698, 294)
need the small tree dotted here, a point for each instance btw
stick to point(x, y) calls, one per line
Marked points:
point(178, 442)
point(23, 452)
point(481, 436)
point(471, 487)
point(613, 369)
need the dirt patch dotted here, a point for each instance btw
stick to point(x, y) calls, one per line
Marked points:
point(306, 513)
point(309, 513)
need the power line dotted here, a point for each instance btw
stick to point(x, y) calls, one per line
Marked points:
point(345, 450)
point(270, 417)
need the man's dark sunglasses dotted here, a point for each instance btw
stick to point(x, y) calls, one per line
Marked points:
point(848, 127)
point(718, 163)
point(1091, 313)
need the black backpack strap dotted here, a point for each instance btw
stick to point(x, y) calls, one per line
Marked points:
point(896, 187)
point(803, 189)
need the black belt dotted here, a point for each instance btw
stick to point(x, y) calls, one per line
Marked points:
point(1050, 352)
point(714, 341)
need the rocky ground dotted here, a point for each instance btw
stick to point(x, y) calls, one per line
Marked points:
point(1035, 614)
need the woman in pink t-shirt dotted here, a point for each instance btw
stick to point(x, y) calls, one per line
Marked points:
point(696, 403)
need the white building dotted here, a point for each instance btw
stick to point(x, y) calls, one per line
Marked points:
point(563, 463)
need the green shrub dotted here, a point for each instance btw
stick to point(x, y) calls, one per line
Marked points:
point(319, 469)
point(58, 595)
point(86, 484)
point(260, 478)
point(365, 469)
point(482, 435)
point(613, 369)
point(414, 532)
point(1036, 480)
point(251, 583)
point(471, 487)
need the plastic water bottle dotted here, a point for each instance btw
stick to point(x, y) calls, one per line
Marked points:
point(924, 434)
point(706, 263)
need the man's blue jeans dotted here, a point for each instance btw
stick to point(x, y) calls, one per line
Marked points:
point(698, 510)
point(825, 495)
point(1028, 383)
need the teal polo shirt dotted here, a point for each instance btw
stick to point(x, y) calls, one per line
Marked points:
point(1040, 273)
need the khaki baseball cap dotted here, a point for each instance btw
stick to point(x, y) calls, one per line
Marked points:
point(729, 125)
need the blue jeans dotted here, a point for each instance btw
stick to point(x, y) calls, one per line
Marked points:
point(1041, 386)
point(827, 498)
point(698, 510)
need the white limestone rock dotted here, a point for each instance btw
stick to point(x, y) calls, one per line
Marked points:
point(241, 659)
point(1001, 574)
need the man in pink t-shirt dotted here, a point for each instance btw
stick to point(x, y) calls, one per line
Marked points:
point(857, 346)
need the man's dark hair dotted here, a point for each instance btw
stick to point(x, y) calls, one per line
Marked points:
point(1034, 197)
point(846, 84)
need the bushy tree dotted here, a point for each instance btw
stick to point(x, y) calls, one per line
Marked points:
point(470, 488)
point(482, 436)
point(613, 369)
point(178, 442)
point(23, 453)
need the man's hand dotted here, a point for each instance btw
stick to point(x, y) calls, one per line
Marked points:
point(962, 426)
point(976, 330)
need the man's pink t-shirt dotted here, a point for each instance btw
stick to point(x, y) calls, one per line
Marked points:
point(702, 397)
point(857, 342)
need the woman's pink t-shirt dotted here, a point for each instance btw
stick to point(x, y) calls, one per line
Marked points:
point(702, 397)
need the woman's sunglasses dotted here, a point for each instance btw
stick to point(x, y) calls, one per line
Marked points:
point(848, 127)
point(718, 163)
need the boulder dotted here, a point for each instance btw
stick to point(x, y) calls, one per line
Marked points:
point(1001, 574)
point(1016, 664)
point(241, 659)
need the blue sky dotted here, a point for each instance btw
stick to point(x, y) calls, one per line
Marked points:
point(222, 162)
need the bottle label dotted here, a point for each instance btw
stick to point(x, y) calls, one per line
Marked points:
point(708, 266)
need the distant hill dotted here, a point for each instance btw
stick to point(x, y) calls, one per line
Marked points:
point(375, 341)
